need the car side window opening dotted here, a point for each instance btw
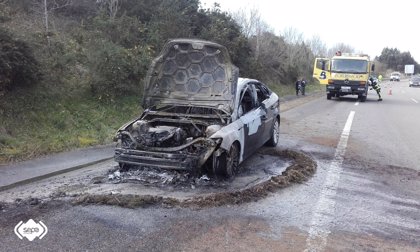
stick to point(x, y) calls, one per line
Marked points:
point(262, 93)
point(247, 101)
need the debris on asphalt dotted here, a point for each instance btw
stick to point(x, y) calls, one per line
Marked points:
point(301, 169)
point(33, 201)
point(115, 175)
point(149, 176)
point(97, 180)
point(205, 178)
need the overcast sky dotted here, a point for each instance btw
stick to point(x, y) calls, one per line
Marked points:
point(366, 25)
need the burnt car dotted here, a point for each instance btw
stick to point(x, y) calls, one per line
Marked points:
point(199, 116)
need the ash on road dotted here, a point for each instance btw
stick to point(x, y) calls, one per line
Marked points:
point(265, 172)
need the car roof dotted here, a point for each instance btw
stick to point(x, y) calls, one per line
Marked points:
point(243, 81)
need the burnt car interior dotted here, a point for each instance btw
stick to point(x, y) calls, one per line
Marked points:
point(262, 93)
point(247, 102)
point(247, 98)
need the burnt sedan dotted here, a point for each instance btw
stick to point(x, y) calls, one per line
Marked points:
point(200, 116)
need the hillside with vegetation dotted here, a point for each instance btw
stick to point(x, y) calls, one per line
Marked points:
point(71, 72)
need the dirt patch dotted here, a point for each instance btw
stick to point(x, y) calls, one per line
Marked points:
point(343, 241)
point(302, 168)
point(31, 208)
point(329, 142)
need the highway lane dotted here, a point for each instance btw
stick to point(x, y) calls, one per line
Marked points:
point(365, 195)
point(393, 126)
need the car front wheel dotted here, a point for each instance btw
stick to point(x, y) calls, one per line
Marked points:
point(228, 162)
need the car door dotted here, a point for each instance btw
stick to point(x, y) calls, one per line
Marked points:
point(252, 120)
point(269, 110)
point(321, 70)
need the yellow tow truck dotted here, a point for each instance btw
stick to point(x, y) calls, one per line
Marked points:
point(344, 74)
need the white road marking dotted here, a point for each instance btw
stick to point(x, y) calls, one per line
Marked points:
point(356, 104)
point(414, 100)
point(323, 214)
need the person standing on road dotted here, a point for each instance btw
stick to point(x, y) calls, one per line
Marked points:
point(375, 85)
point(380, 77)
point(302, 86)
point(298, 86)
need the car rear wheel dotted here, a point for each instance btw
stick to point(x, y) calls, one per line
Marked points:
point(275, 134)
point(328, 96)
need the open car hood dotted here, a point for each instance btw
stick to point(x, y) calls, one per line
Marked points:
point(191, 72)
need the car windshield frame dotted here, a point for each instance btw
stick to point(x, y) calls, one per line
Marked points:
point(355, 66)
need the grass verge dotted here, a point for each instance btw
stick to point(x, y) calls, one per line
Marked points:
point(284, 90)
point(33, 124)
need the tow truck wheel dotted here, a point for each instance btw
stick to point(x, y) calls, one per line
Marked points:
point(328, 96)
point(362, 98)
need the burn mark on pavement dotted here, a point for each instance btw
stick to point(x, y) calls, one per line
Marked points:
point(301, 169)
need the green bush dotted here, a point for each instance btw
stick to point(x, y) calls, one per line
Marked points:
point(18, 66)
point(115, 70)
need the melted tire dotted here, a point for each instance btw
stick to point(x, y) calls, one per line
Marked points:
point(228, 163)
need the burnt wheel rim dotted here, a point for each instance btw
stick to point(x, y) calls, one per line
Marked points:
point(232, 160)
point(276, 132)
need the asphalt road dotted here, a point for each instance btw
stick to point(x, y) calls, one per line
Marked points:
point(365, 195)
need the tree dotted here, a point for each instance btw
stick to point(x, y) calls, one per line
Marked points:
point(269, 64)
point(344, 48)
point(221, 28)
point(252, 26)
point(396, 60)
point(45, 7)
point(318, 47)
point(292, 36)
point(18, 66)
point(172, 19)
point(4, 8)
point(111, 7)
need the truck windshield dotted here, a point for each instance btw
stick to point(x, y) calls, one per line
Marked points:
point(349, 66)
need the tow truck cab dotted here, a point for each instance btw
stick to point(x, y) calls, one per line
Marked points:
point(345, 74)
